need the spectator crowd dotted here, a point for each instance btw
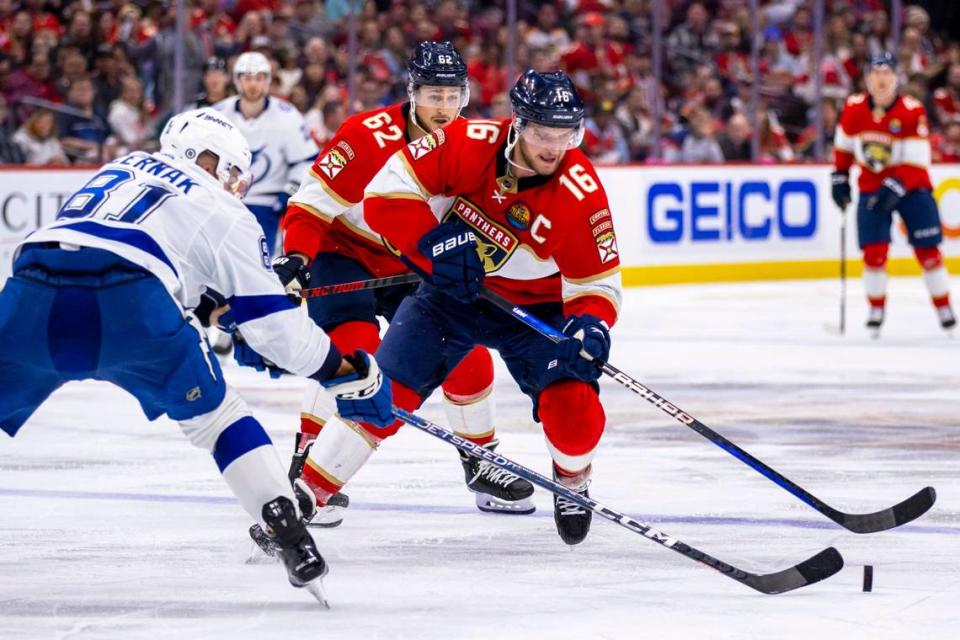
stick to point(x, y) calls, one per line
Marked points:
point(109, 65)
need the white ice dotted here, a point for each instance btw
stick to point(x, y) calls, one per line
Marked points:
point(113, 527)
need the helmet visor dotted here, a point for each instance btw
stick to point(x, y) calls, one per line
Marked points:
point(235, 180)
point(560, 138)
point(439, 97)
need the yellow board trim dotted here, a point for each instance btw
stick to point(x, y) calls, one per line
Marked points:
point(755, 271)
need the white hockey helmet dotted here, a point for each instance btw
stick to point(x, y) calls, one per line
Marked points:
point(190, 133)
point(251, 62)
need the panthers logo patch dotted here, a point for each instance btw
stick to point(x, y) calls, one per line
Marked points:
point(332, 163)
point(494, 243)
point(877, 150)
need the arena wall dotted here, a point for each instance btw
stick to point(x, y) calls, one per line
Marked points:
point(674, 223)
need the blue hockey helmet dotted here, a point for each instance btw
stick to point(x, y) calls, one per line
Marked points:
point(549, 99)
point(883, 59)
point(437, 64)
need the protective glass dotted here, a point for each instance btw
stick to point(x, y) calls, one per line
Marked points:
point(234, 180)
point(437, 97)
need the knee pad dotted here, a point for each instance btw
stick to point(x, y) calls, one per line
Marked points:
point(928, 257)
point(875, 255)
point(573, 422)
point(471, 378)
point(204, 430)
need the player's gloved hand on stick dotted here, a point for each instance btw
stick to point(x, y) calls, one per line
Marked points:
point(243, 353)
point(841, 188)
point(292, 272)
point(588, 338)
point(363, 394)
point(457, 269)
point(886, 199)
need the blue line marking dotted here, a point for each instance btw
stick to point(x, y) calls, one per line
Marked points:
point(659, 519)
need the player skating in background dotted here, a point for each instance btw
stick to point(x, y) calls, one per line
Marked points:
point(282, 150)
point(104, 293)
point(530, 221)
point(887, 135)
point(327, 241)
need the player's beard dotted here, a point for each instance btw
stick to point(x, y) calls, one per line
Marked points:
point(535, 163)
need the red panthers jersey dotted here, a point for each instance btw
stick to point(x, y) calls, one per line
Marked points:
point(892, 142)
point(541, 239)
point(326, 214)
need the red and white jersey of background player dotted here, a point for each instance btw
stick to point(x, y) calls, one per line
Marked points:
point(326, 213)
point(542, 239)
point(885, 143)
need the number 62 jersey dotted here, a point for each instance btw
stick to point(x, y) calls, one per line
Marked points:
point(542, 239)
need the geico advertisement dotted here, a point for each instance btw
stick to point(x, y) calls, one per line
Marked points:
point(670, 215)
point(704, 215)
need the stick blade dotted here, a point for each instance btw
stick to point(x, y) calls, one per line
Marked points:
point(901, 513)
point(812, 570)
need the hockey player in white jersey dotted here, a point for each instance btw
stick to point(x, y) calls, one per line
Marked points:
point(108, 291)
point(282, 149)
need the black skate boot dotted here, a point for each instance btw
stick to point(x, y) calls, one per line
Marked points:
point(497, 490)
point(875, 319)
point(947, 320)
point(573, 521)
point(331, 514)
point(308, 509)
point(305, 566)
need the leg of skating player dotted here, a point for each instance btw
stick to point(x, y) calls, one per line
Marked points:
point(468, 400)
point(573, 422)
point(343, 447)
point(253, 471)
point(318, 408)
point(937, 279)
point(875, 283)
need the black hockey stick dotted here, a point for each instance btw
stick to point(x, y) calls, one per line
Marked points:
point(901, 513)
point(359, 285)
point(819, 567)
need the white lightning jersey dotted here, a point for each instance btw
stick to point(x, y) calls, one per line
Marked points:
point(282, 149)
point(174, 220)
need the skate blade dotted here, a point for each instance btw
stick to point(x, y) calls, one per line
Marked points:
point(492, 504)
point(315, 588)
point(327, 518)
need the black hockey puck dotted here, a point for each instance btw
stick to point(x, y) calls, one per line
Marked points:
point(867, 578)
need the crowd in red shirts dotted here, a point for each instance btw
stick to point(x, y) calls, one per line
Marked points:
point(112, 61)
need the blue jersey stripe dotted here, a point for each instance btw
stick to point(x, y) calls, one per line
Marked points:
point(132, 237)
point(247, 308)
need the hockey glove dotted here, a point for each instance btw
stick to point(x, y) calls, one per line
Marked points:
point(887, 198)
point(363, 395)
point(457, 269)
point(841, 189)
point(587, 339)
point(293, 273)
point(245, 356)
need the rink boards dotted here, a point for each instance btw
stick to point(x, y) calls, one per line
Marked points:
point(674, 223)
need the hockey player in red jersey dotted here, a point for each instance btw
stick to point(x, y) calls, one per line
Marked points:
point(886, 134)
point(327, 241)
point(530, 220)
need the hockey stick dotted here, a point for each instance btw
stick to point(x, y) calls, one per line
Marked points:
point(843, 271)
point(819, 567)
point(359, 285)
point(901, 513)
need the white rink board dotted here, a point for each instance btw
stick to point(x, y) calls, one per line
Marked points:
point(699, 215)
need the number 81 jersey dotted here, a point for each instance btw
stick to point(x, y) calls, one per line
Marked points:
point(542, 238)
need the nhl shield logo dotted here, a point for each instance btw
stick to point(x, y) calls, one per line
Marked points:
point(332, 163)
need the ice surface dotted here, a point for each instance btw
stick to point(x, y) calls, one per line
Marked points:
point(113, 527)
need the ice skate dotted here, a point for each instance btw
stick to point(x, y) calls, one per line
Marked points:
point(296, 548)
point(573, 521)
point(331, 514)
point(947, 319)
point(875, 319)
point(497, 490)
